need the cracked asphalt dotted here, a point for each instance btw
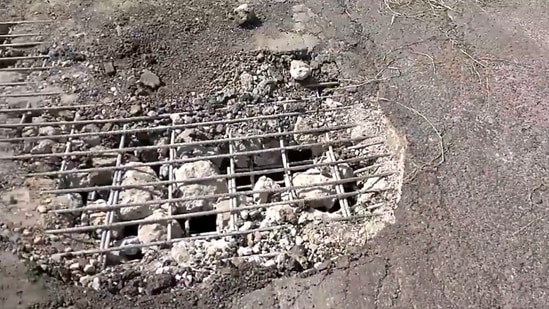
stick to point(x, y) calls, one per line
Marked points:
point(470, 232)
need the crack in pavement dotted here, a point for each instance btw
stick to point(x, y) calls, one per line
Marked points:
point(379, 286)
point(347, 281)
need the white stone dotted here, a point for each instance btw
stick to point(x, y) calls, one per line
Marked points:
point(199, 188)
point(246, 81)
point(269, 263)
point(176, 118)
point(89, 269)
point(224, 218)
point(265, 183)
point(141, 175)
point(312, 215)
point(153, 232)
point(242, 8)
point(320, 195)
point(181, 252)
point(246, 226)
point(345, 171)
point(245, 14)
point(276, 215)
point(48, 131)
point(85, 280)
point(299, 70)
point(216, 245)
point(244, 251)
point(67, 201)
point(129, 241)
point(74, 266)
point(164, 171)
point(43, 147)
point(96, 284)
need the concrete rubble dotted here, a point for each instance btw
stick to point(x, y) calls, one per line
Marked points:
point(198, 189)
point(138, 176)
point(288, 236)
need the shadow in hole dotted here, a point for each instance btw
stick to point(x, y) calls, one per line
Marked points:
point(203, 224)
point(296, 156)
point(6, 62)
point(130, 230)
point(251, 24)
point(4, 29)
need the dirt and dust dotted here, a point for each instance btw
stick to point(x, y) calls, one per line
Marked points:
point(470, 231)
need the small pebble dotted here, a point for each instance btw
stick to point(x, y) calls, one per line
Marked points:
point(89, 269)
point(37, 240)
point(74, 266)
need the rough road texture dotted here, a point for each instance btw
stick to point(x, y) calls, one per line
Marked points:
point(470, 232)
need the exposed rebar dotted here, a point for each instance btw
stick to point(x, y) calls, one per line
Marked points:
point(200, 158)
point(81, 229)
point(18, 35)
point(30, 94)
point(21, 22)
point(22, 44)
point(25, 69)
point(112, 200)
point(18, 58)
point(186, 144)
point(165, 128)
point(45, 109)
point(195, 180)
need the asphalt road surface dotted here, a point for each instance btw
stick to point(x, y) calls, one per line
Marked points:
point(469, 92)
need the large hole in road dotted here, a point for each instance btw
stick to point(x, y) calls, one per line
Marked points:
point(319, 218)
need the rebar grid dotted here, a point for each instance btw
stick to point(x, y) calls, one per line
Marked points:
point(148, 118)
point(13, 84)
point(333, 140)
point(42, 110)
point(44, 59)
point(178, 126)
point(171, 186)
point(287, 168)
point(112, 200)
point(231, 183)
point(22, 22)
point(18, 35)
point(337, 175)
point(30, 94)
point(22, 44)
point(210, 157)
point(31, 69)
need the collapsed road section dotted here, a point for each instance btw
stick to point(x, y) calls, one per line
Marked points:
point(287, 172)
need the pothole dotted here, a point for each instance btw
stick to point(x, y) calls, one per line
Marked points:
point(265, 169)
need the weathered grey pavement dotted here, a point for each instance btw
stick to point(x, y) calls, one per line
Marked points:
point(471, 233)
